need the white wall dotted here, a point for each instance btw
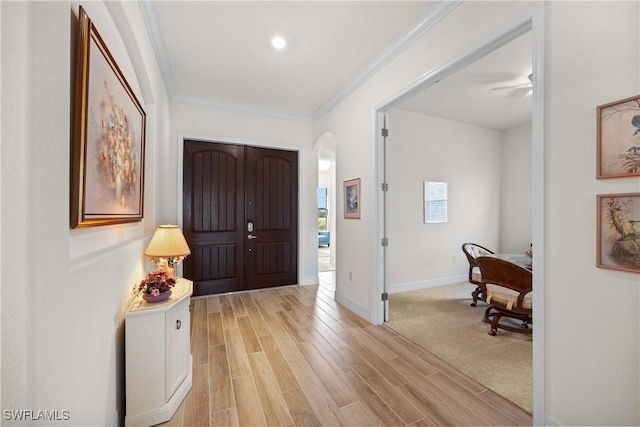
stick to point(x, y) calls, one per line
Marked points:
point(489, 176)
point(591, 315)
point(425, 148)
point(352, 124)
point(62, 308)
point(14, 206)
point(516, 196)
point(64, 291)
point(207, 124)
point(324, 179)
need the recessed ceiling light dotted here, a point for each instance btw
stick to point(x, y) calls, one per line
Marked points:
point(278, 42)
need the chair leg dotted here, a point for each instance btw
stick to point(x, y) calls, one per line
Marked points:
point(493, 319)
point(476, 295)
point(488, 315)
point(493, 315)
point(494, 324)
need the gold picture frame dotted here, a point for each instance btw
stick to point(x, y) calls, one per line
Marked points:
point(618, 232)
point(618, 138)
point(107, 154)
point(352, 198)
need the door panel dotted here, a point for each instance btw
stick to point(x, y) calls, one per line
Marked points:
point(272, 207)
point(226, 187)
point(213, 208)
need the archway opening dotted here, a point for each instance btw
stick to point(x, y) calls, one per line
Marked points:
point(327, 214)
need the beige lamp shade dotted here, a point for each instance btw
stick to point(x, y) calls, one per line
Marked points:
point(168, 241)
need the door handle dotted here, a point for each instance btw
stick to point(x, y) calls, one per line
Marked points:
point(251, 237)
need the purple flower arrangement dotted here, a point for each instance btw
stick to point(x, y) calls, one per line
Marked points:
point(155, 283)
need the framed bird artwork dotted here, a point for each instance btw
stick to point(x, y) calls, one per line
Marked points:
point(618, 131)
point(618, 231)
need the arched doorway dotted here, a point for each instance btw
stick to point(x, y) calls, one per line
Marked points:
point(326, 149)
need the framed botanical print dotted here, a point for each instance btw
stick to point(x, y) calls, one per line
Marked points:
point(107, 175)
point(618, 136)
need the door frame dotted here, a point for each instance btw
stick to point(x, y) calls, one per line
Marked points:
point(532, 20)
point(237, 141)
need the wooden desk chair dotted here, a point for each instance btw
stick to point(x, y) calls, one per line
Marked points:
point(507, 288)
point(473, 251)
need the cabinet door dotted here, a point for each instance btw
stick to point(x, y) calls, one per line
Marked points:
point(178, 319)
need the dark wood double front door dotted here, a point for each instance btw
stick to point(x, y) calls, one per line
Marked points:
point(240, 216)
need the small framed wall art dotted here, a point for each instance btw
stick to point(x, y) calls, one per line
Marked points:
point(352, 198)
point(107, 160)
point(618, 245)
point(618, 135)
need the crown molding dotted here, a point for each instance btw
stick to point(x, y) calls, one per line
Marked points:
point(151, 21)
point(431, 17)
point(149, 16)
point(241, 109)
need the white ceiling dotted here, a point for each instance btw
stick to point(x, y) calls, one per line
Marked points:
point(467, 95)
point(219, 53)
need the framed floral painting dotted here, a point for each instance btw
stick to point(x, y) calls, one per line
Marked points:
point(618, 135)
point(107, 168)
point(619, 231)
point(352, 198)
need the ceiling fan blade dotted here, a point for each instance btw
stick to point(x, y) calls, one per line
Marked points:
point(525, 92)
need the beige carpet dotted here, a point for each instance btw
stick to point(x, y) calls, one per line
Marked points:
point(441, 320)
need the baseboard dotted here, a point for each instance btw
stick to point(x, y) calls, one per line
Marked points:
point(353, 306)
point(115, 422)
point(424, 284)
point(310, 280)
point(550, 421)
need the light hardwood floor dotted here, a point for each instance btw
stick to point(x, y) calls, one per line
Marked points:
point(292, 356)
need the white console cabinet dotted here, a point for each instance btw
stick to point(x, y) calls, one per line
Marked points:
point(158, 356)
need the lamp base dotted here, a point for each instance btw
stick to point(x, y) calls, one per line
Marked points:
point(163, 265)
point(170, 271)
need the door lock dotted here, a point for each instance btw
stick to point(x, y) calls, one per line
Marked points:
point(250, 226)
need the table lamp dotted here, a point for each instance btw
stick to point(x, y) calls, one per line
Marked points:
point(167, 248)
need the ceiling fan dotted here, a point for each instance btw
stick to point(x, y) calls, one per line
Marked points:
point(527, 85)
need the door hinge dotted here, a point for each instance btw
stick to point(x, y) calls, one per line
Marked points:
point(385, 296)
point(385, 132)
point(385, 241)
point(385, 186)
